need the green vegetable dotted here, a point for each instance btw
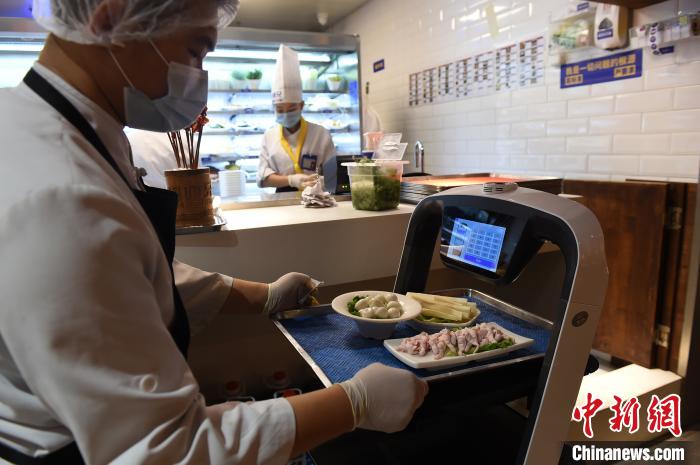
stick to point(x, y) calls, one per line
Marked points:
point(375, 187)
point(232, 166)
point(351, 305)
point(254, 75)
point(238, 75)
point(433, 319)
point(335, 78)
point(496, 345)
point(493, 346)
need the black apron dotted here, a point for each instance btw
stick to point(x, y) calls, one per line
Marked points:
point(159, 204)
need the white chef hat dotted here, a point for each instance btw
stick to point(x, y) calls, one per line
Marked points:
point(130, 19)
point(287, 84)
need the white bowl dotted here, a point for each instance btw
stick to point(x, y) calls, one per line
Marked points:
point(376, 328)
point(431, 327)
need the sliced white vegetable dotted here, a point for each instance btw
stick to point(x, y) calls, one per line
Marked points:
point(394, 304)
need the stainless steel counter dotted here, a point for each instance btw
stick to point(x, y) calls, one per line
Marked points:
point(264, 200)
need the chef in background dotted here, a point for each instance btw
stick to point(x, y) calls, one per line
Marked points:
point(293, 150)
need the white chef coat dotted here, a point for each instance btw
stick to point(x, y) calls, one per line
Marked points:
point(275, 160)
point(152, 151)
point(85, 352)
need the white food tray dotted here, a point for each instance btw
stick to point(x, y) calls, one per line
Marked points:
point(428, 360)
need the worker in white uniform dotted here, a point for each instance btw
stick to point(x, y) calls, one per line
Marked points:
point(94, 327)
point(294, 150)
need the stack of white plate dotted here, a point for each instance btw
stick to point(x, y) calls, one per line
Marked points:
point(232, 183)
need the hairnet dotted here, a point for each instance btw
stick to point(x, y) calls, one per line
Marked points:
point(131, 19)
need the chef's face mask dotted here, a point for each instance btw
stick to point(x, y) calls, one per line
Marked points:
point(188, 88)
point(288, 119)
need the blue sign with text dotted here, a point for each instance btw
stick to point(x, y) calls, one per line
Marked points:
point(623, 65)
point(379, 65)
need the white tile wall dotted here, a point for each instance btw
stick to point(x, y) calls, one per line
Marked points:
point(686, 74)
point(687, 97)
point(592, 106)
point(616, 124)
point(530, 95)
point(645, 127)
point(589, 144)
point(686, 143)
point(547, 145)
point(527, 163)
point(550, 110)
point(614, 88)
point(668, 121)
point(657, 100)
point(528, 129)
point(567, 127)
point(641, 143)
point(512, 114)
point(613, 164)
point(566, 163)
point(659, 165)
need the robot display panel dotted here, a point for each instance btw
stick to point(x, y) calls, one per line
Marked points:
point(481, 241)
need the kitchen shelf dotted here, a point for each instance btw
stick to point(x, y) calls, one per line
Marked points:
point(267, 91)
point(634, 4)
point(340, 111)
point(563, 22)
point(236, 132)
point(216, 157)
point(669, 31)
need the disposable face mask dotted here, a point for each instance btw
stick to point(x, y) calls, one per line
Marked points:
point(289, 119)
point(188, 88)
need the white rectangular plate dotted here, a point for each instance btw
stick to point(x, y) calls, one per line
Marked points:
point(428, 360)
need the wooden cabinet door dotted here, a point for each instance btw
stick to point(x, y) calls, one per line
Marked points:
point(682, 283)
point(632, 215)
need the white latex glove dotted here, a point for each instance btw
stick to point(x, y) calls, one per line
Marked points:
point(287, 292)
point(384, 398)
point(301, 181)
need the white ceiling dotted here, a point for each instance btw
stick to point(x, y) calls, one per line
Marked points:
point(298, 15)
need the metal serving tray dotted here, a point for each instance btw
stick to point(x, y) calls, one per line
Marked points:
point(334, 351)
point(219, 222)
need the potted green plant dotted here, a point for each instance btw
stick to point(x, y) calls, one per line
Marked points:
point(238, 80)
point(253, 79)
point(335, 82)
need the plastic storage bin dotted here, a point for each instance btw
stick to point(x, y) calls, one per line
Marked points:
point(375, 185)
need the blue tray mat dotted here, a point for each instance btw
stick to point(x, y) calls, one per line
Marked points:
point(333, 342)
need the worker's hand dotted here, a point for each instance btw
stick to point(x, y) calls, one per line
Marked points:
point(384, 398)
point(288, 292)
point(301, 181)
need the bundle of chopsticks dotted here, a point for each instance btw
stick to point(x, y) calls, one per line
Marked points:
point(187, 152)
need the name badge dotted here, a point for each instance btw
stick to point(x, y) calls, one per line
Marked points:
point(308, 162)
